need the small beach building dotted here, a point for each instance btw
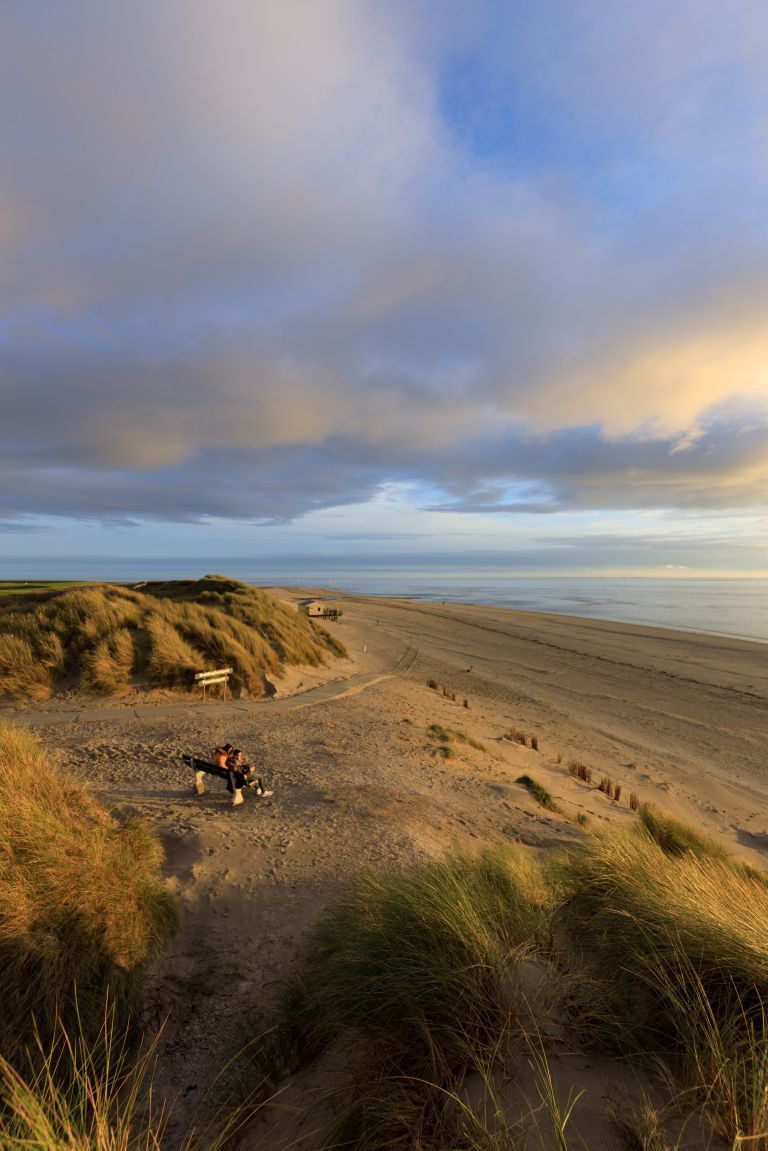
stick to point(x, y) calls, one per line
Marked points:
point(318, 609)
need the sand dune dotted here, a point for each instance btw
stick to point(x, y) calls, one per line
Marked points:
point(678, 719)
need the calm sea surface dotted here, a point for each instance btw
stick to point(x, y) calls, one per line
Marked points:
point(730, 607)
point(719, 607)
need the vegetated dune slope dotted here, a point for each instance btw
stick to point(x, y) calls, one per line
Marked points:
point(82, 906)
point(107, 638)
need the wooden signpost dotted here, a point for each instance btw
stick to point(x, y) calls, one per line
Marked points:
point(208, 678)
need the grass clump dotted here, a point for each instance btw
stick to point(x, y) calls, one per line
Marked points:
point(677, 838)
point(416, 973)
point(418, 981)
point(95, 1093)
point(514, 735)
point(469, 740)
point(95, 1106)
point(579, 770)
point(406, 951)
point(671, 960)
point(108, 638)
point(82, 906)
point(539, 793)
point(446, 735)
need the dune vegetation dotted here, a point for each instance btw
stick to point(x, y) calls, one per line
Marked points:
point(106, 638)
point(432, 1008)
point(83, 911)
point(82, 906)
point(648, 943)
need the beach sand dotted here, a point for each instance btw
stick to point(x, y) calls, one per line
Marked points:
point(678, 719)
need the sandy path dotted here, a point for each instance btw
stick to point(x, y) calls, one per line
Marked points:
point(680, 719)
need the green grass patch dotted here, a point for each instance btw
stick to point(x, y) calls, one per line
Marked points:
point(447, 735)
point(436, 731)
point(677, 838)
point(35, 587)
point(539, 793)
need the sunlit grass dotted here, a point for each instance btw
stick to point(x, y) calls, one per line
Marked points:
point(81, 902)
point(106, 638)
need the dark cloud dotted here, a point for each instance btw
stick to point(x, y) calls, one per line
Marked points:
point(250, 267)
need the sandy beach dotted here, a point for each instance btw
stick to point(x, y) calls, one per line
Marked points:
point(678, 719)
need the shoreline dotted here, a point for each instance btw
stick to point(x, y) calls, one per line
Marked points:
point(439, 601)
point(565, 617)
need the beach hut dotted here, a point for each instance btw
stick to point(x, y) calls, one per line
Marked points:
point(318, 609)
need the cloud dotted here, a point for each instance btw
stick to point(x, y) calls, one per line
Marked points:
point(257, 260)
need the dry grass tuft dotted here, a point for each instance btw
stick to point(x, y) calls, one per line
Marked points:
point(579, 770)
point(514, 735)
point(609, 787)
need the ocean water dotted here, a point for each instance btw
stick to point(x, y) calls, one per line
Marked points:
point(726, 607)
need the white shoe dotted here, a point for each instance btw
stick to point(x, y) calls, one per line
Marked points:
point(263, 794)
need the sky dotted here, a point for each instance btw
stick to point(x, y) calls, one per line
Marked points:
point(416, 281)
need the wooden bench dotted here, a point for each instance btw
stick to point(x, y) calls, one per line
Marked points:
point(202, 768)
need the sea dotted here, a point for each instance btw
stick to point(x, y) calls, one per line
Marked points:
point(736, 608)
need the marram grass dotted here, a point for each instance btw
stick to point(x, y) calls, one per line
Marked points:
point(419, 976)
point(670, 962)
point(417, 981)
point(677, 838)
point(106, 638)
point(82, 906)
point(99, 1094)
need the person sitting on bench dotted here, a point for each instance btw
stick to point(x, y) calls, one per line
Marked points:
point(238, 770)
point(229, 766)
point(222, 754)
